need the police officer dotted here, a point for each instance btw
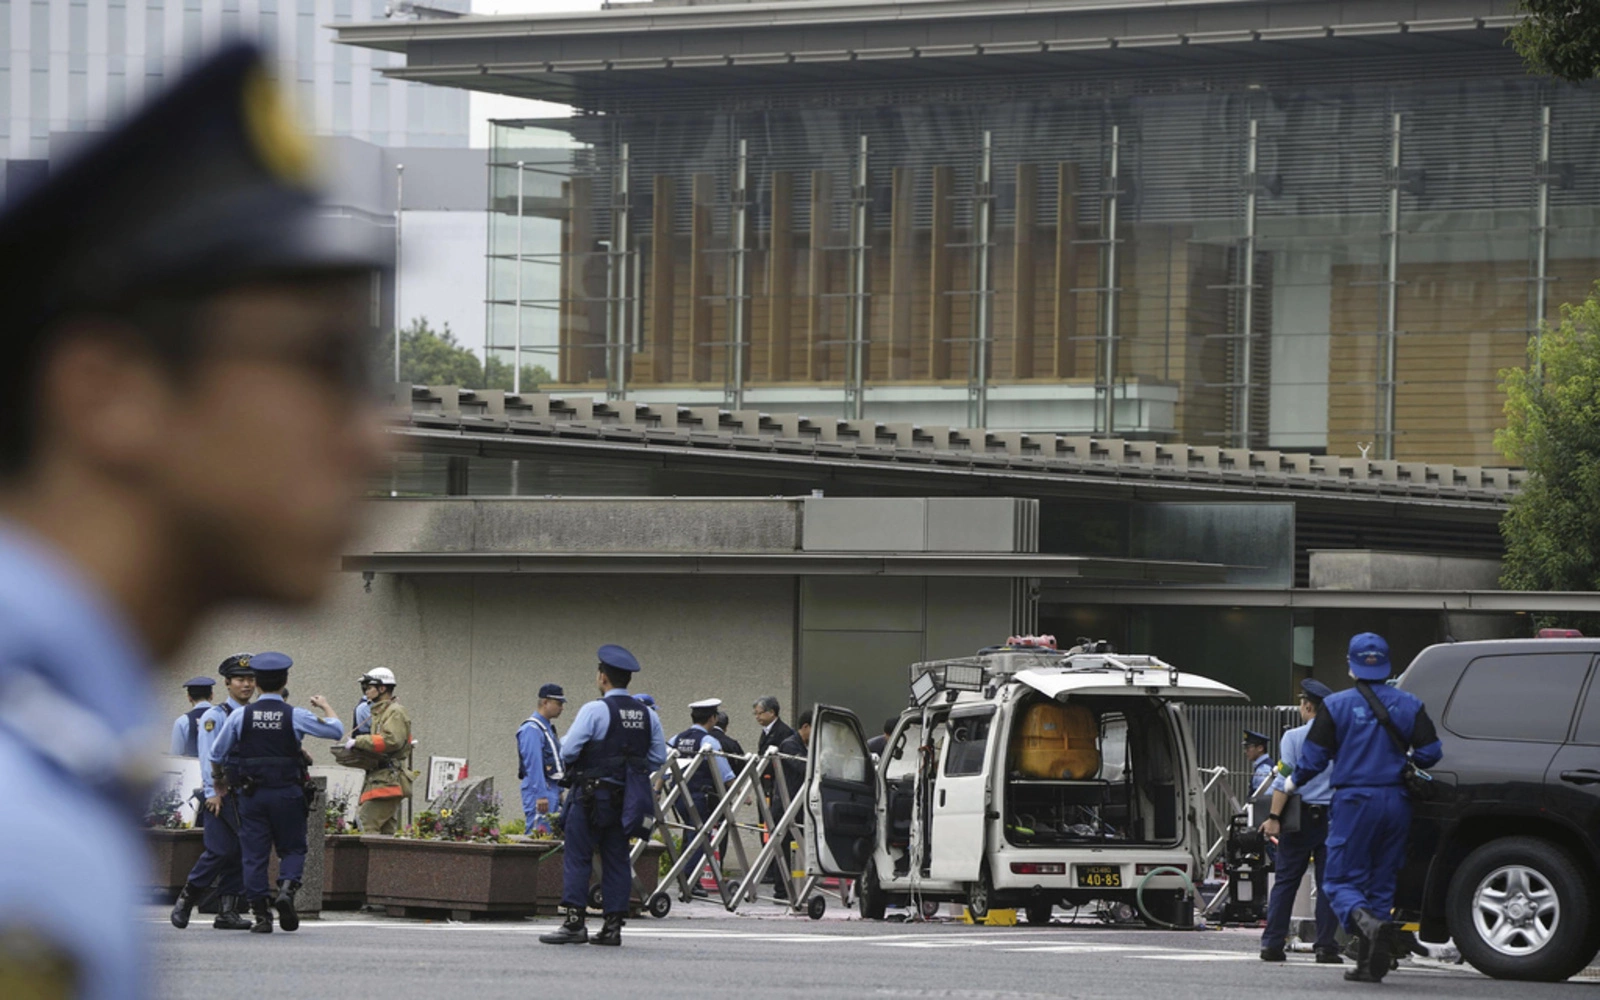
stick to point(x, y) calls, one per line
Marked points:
point(539, 759)
point(702, 786)
point(612, 747)
point(1260, 758)
point(179, 431)
point(259, 752)
point(186, 728)
point(220, 862)
point(1371, 814)
point(1297, 847)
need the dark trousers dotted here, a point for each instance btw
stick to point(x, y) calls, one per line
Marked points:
point(588, 831)
point(221, 860)
point(1367, 833)
point(703, 804)
point(272, 819)
point(1295, 853)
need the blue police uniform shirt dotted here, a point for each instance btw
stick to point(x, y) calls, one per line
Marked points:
point(1260, 771)
point(1320, 791)
point(306, 723)
point(1362, 753)
point(185, 728)
point(592, 723)
point(710, 742)
point(363, 716)
point(539, 750)
point(210, 726)
point(76, 729)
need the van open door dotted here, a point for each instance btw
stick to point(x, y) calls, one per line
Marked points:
point(841, 795)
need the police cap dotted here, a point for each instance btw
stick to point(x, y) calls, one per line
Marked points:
point(270, 661)
point(1251, 736)
point(552, 692)
point(706, 703)
point(1369, 657)
point(199, 682)
point(618, 658)
point(237, 665)
point(207, 187)
point(646, 700)
point(1315, 688)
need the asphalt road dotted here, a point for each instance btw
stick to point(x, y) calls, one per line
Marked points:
point(693, 953)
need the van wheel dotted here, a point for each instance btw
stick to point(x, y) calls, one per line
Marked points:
point(871, 900)
point(1038, 914)
point(979, 894)
point(1519, 908)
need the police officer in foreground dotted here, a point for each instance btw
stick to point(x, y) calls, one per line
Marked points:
point(180, 430)
point(702, 786)
point(1297, 847)
point(186, 728)
point(609, 752)
point(539, 759)
point(1370, 733)
point(221, 861)
point(259, 755)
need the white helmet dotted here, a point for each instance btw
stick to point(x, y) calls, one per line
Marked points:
point(378, 675)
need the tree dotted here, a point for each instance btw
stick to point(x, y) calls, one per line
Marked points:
point(433, 357)
point(1560, 38)
point(1552, 530)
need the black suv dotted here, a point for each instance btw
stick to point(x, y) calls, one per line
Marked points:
point(1506, 857)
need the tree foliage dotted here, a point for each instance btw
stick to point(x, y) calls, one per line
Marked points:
point(1552, 409)
point(434, 357)
point(1560, 38)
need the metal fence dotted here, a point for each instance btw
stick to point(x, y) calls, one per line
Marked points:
point(1218, 730)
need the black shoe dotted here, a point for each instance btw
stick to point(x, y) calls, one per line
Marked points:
point(1359, 975)
point(228, 916)
point(699, 893)
point(1329, 956)
point(287, 917)
point(611, 933)
point(188, 898)
point(1273, 955)
point(572, 930)
point(262, 911)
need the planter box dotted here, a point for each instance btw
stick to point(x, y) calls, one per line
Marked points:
point(463, 880)
point(344, 873)
point(172, 854)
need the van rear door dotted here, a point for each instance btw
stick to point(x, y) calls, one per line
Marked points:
point(841, 795)
point(961, 794)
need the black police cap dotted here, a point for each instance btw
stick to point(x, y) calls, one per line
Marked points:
point(208, 186)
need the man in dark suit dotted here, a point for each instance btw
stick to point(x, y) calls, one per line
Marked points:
point(774, 731)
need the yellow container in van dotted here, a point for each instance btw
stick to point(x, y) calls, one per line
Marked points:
point(1057, 741)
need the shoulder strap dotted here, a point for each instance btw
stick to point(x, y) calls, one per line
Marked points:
point(1383, 717)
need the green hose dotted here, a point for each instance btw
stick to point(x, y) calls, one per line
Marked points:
point(1138, 895)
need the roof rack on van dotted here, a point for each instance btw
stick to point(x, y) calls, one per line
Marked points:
point(1129, 665)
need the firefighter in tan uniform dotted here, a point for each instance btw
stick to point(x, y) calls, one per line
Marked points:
point(384, 753)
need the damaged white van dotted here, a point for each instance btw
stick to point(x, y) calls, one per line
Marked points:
point(1020, 777)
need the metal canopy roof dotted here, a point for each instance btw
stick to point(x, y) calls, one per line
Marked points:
point(577, 57)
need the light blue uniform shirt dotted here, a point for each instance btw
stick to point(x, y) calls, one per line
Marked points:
point(306, 723)
point(364, 715)
point(208, 736)
point(592, 723)
point(535, 738)
point(1320, 791)
point(180, 729)
point(76, 726)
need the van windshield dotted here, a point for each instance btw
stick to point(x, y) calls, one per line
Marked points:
point(1091, 770)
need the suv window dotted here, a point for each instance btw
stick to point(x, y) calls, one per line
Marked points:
point(1523, 697)
point(1589, 721)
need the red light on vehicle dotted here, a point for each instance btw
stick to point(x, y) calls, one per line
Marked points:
point(1145, 869)
point(1038, 868)
point(1559, 633)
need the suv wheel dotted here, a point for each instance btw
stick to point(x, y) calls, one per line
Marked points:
point(1518, 908)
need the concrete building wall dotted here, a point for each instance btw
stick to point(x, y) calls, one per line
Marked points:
point(471, 651)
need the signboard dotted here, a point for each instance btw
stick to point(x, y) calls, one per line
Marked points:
point(442, 771)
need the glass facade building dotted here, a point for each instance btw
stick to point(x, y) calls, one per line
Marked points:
point(1337, 255)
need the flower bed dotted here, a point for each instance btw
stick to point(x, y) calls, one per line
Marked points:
point(344, 873)
point(463, 879)
point(172, 854)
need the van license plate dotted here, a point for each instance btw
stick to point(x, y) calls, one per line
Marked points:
point(1099, 877)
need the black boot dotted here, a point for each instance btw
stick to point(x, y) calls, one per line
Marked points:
point(573, 930)
point(188, 899)
point(287, 917)
point(611, 933)
point(262, 911)
point(1372, 951)
point(228, 916)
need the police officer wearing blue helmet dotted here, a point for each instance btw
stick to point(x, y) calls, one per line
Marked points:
point(186, 423)
point(609, 752)
point(1371, 733)
point(221, 861)
point(259, 755)
point(186, 728)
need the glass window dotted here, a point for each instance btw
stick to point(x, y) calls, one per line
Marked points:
point(840, 753)
point(969, 744)
point(1113, 747)
point(1527, 697)
point(902, 753)
point(1589, 721)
